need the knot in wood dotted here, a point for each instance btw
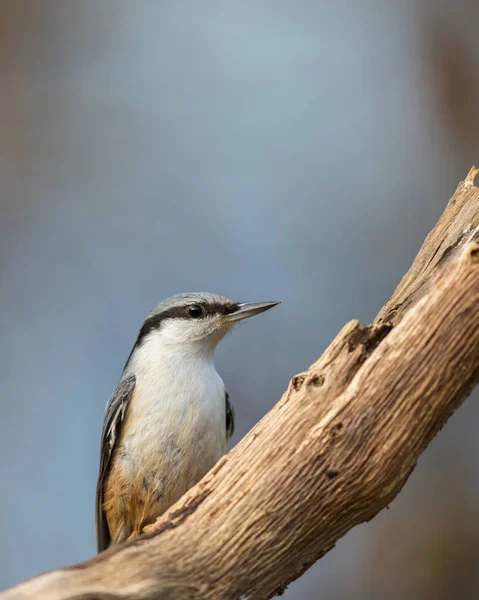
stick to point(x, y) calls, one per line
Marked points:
point(316, 380)
point(298, 381)
point(369, 336)
point(474, 253)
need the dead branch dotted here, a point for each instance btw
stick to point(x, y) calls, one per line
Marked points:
point(334, 451)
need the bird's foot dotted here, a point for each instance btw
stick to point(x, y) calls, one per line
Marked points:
point(148, 528)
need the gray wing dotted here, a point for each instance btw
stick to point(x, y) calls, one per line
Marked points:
point(114, 416)
point(230, 417)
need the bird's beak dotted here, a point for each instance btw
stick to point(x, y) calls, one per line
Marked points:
point(244, 311)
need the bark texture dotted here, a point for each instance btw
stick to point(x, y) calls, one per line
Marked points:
point(334, 451)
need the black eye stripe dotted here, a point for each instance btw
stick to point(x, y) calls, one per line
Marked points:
point(215, 309)
point(180, 312)
point(222, 309)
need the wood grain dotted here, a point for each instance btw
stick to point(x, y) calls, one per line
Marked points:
point(334, 451)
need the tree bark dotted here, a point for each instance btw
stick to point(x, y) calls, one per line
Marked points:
point(334, 451)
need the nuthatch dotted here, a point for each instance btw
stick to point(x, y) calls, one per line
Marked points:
point(168, 421)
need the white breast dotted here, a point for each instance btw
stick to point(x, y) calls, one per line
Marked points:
point(175, 427)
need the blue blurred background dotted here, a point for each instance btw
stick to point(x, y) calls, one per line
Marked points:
point(265, 149)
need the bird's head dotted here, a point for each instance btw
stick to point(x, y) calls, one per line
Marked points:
point(197, 319)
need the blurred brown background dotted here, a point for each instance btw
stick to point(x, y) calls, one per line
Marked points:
point(265, 149)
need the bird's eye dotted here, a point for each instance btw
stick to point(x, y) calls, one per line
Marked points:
point(195, 311)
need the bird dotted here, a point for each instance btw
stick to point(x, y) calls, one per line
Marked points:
point(169, 419)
